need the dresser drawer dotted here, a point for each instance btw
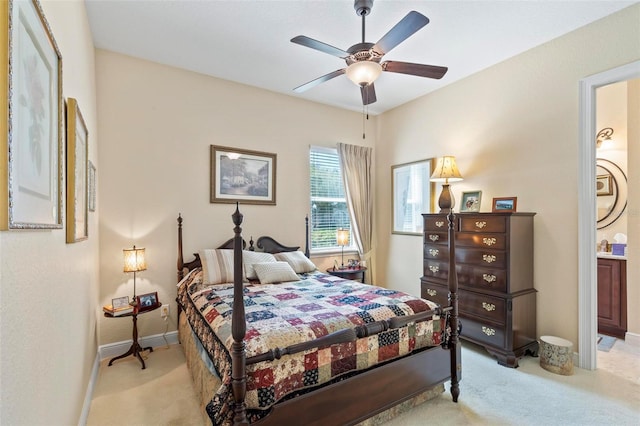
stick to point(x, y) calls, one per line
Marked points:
point(435, 292)
point(470, 239)
point(482, 257)
point(433, 237)
point(436, 223)
point(482, 278)
point(482, 223)
point(483, 332)
point(436, 252)
point(481, 305)
point(436, 269)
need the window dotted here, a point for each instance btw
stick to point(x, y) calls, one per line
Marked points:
point(328, 203)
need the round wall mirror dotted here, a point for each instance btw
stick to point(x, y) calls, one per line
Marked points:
point(611, 191)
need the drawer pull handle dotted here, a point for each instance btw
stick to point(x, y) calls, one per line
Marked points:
point(489, 258)
point(439, 224)
point(434, 269)
point(489, 277)
point(434, 252)
point(481, 225)
point(488, 306)
point(489, 241)
point(488, 331)
point(431, 292)
point(434, 238)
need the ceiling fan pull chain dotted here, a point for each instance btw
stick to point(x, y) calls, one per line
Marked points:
point(363, 123)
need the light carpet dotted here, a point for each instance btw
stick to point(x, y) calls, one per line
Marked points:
point(490, 394)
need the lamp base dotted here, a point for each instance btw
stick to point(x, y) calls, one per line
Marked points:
point(446, 200)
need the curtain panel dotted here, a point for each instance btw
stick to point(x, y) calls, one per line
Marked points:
point(356, 163)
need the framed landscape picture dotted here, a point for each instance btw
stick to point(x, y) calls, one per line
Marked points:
point(240, 175)
point(413, 194)
point(504, 204)
point(32, 120)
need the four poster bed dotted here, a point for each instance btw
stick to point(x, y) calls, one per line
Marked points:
point(267, 347)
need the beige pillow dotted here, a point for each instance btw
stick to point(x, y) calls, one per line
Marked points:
point(217, 266)
point(249, 258)
point(275, 272)
point(297, 260)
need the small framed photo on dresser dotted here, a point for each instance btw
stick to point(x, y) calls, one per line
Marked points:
point(471, 201)
point(504, 205)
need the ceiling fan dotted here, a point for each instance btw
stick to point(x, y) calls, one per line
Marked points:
point(363, 59)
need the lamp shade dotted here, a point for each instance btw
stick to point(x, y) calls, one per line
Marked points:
point(134, 260)
point(446, 170)
point(342, 237)
point(363, 73)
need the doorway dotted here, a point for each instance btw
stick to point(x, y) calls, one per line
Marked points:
point(587, 272)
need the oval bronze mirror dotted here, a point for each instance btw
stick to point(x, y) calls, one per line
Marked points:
point(611, 191)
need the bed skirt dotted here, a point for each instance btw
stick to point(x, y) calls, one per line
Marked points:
point(206, 384)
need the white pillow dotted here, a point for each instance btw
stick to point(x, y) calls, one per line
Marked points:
point(249, 258)
point(275, 272)
point(297, 260)
point(217, 266)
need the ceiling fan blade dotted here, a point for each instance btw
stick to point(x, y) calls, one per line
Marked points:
point(430, 71)
point(319, 80)
point(402, 31)
point(318, 45)
point(368, 94)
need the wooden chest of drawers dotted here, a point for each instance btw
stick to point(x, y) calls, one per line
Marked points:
point(494, 263)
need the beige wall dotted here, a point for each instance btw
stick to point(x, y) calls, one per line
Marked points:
point(156, 126)
point(514, 131)
point(49, 289)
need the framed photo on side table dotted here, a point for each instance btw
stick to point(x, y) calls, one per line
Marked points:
point(504, 204)
point(412, 194)
point(31, 123)
point(471, 201)
point(77, 157)
point(242, 175)
point(147, 301)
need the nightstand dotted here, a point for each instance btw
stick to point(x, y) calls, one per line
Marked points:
point(348, 273)
point(135, 348)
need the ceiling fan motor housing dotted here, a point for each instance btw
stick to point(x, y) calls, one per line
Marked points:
point(362, 52)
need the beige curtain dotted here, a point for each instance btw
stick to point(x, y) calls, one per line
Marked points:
point(356, 163)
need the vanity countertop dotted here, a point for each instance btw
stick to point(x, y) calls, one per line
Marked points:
point(607, 255)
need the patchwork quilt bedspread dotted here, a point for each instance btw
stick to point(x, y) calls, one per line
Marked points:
point(279, 315)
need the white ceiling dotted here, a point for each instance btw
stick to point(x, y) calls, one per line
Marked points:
point(249, 41)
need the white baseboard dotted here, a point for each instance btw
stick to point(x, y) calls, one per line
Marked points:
point(114, 349)
point(89, 394)
point(632, 339)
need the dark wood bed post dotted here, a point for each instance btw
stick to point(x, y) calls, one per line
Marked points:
point(180, 257)
point(453, 302)
point(306, 236)
point(238, 329)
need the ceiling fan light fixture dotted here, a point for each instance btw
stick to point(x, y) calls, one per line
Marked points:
point(364, 73)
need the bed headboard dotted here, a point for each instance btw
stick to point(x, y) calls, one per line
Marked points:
point(265, 244)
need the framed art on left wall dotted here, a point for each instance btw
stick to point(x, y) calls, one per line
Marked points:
point(77, 157)
point(31, 135)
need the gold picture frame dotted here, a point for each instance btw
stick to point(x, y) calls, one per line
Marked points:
point(77, 158)
point(242, 175)
point(31, 127)
point(412, 194)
